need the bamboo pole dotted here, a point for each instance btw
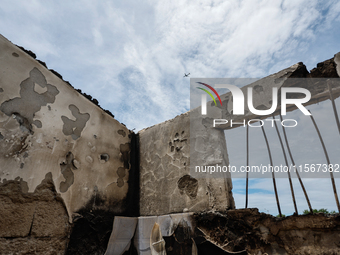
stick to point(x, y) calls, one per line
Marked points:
point(285, 157)
point(273, 176)
point(247, 174)
point(328, 162)
point(333, 105)
point(297, 172)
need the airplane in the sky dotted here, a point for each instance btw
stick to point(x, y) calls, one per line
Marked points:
point(186, 74)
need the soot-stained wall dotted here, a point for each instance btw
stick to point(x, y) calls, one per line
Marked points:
point(166, 185)
point(47, 127)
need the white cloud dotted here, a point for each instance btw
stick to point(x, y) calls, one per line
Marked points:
point(92, 43)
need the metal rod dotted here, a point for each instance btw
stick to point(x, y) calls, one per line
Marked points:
point(271, 163)
point(328, 162)
point(297, 172)
point(247, 174)
point(333, 104)
point(285, 157)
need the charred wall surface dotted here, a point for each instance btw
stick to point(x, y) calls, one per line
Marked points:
point(48, 127)
point(165, 181)
point(50, 130)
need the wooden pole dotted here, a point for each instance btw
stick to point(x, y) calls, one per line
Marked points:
point(285, 157)
point(333, 105)
point(328, 162)
point(273, 176)
point(247, 174)
point(297, 172)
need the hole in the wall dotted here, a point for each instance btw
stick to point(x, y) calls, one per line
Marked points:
point(104, 157)
point(14, 54)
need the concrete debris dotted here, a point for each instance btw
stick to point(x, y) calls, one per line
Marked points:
point(259, 233)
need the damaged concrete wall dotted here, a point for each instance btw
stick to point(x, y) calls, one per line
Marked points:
point(48, 127)
point(32, 223)
point(49, 133)
point(165, 181)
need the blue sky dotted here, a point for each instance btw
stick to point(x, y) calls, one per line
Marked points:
point(131, 55)
point(306, 149)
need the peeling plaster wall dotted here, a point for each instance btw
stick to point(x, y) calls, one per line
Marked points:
point(32, 223)
point(165, 182)
point(46, 127)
